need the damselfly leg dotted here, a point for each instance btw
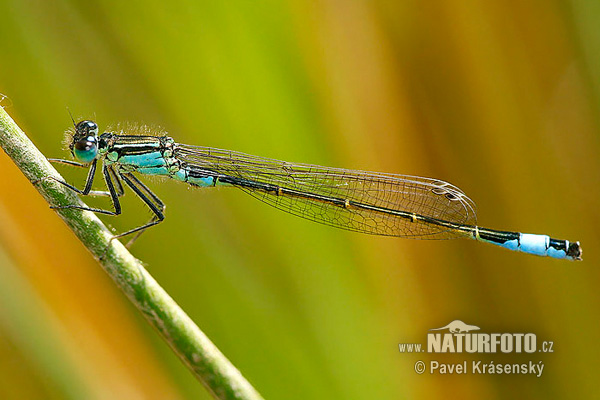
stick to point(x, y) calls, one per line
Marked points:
point(113, 180)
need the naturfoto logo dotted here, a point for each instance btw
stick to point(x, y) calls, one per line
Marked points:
point(463, 338)
point(459, 337)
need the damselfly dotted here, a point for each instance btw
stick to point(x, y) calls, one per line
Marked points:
point(367, 202)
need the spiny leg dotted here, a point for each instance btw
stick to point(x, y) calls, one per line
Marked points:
point(88, 182)
point(67, 162)
point(158, 202)
point(151, 200)
point(112, 179)
point(114, 196)
point(141, 184)
point(90, 173)
point(120, 191)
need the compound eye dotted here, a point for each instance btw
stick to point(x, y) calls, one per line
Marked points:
point(87, 128)
point(86, 149)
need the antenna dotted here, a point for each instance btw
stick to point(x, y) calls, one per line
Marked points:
point(69, 111)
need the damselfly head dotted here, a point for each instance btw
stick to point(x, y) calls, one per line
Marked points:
point(84, 144)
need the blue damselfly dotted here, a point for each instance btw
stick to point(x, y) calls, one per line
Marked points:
point(367, 202)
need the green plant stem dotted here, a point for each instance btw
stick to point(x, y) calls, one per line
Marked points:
point(192, 346)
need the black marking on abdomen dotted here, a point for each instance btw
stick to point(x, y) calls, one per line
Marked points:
point(500, 237)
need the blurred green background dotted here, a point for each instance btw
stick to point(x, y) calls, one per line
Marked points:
point(499, 98)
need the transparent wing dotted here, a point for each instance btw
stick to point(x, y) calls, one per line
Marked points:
point(423, 196)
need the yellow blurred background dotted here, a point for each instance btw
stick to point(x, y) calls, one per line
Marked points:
point(499, 98)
